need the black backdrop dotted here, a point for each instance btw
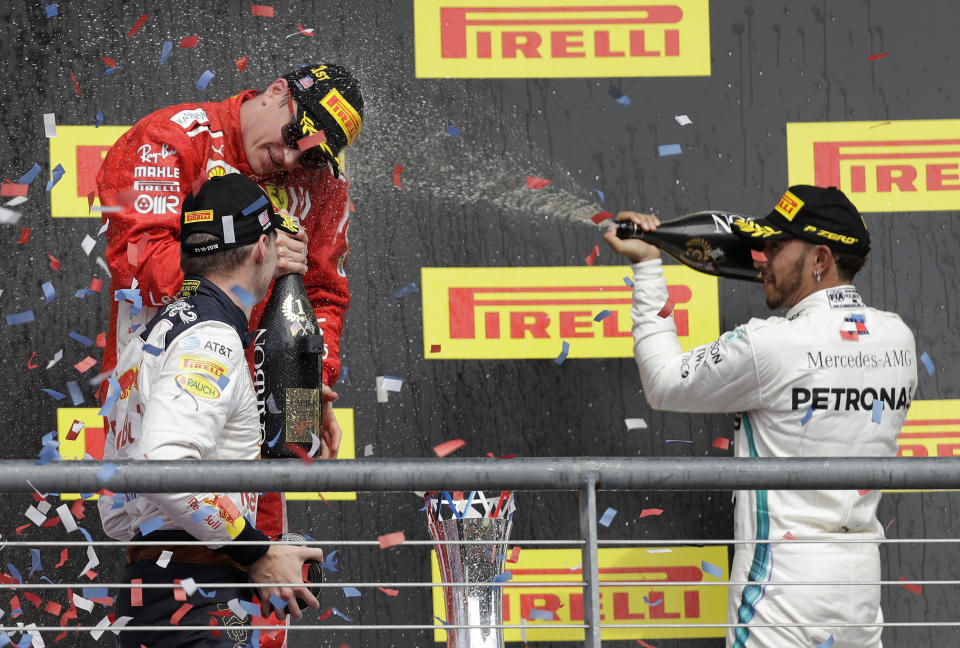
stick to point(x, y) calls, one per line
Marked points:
point(463, 204)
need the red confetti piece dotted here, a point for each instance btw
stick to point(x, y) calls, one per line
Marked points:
point(889, 523)
point(757, 255)
point(33, 598)
point(789, 536)
point(19, 531)
point(137, 25)
point(305, 32)
point(90, 574)
point(85, 365)
point(300, 452)
point(15, 605)
point(179, 614)
point(242, 63)
point(874, 57)
point(388, 591)
point(644, 644)
point(863, 492)
point(109, 62)
point(509, 456)
point(434, 348)
point(721, 442)
point(12, 189)
point(96, 284)
point(30, 363)
point(52, 522)
point(916, 589)
point(54, 263)
point(667, 309)
point(77, 509)
point(351, 206)
point(263, 11)
point(326, 614)
point(76, 86)
point(132, 254)
point(64, 554)
point(592, 257)
point(189, 41)
point(90, 198)
point(102, 340)
point(650, 511)
point(179, 593)
point(392, 539)
point(448, 447)
point(514, 555)
point(600, 217)
point(311, 140)
point(53, 608)
point(850, 335)
point(534, 182)
point(25, 235)
point(397, 170)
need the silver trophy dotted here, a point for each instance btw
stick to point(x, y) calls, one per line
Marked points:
point(471, 516)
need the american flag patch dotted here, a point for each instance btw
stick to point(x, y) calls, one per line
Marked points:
point(264, 219)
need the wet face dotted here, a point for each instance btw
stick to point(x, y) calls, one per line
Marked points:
point(785, 272)
point(263, 128)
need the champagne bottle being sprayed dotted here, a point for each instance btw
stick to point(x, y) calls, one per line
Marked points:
point(289, 352)
point(703, 241)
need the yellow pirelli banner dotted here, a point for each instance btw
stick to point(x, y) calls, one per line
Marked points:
point(889, 166)
point(529, 312)
point(80, 150)
point(80, 432)
point(932, 429)
point(561, 38)
point(654, 602)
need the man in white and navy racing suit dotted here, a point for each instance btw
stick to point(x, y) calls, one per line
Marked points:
point(181, 390)
point(831, 378)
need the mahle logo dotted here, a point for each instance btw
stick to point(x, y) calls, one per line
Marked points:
point(552, 38)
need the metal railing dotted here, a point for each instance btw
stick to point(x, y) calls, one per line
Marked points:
point(584, 475)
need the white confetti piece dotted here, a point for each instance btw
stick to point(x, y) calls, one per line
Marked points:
point(102, 626)
point(56, 358)
point(237, 609)
point(16, 200)
point(683, 120)
point(229, 237)
point(103, 264)
point(314, 446)
point(50, 124)
point(189, 586)
point(164, 558)
point(69, 524)
point(635, 424)
point(382, 395)
point(87, 244)
point(119, 623)
point(43, 507)
point(84, 604)
point(9, 216)
point(391, 383)
point(35, 516)
point(92, 561)
point(368, 450)
point(656, 551)
point(103, 228)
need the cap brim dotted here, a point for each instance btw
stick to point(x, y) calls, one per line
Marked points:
point(758, 231)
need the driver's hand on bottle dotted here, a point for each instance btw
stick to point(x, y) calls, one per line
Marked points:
point(291, 253)
point(635, 250)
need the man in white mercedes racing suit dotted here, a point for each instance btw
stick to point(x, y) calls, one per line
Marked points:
point(832, 378)
point(181, 390)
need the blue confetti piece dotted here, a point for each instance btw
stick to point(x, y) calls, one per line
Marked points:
point(628, 281)
point(652, 603)
point(254, 206)
point(249, 607)
point(51, 10)
point(925, 359)
point(131, 295)
point(563, 353)
point(99, 119)
point(669, 149)
point(50, 439)
point(405, 290)
point(618, 96)
point(86, 534)
point(151, 525)
point(271, 443)
point(108, 405)
point(83, 292)
point(255, 639)
point(877, 411)
point(56, 175)
point(453, 130)
point(82, 339)
point(330, 562)
point(15, 572)
point(152, 350)
point(199, 515)
point(165, 51)
point(48, 291)
point(26, 640)
point(344, 374)
point(678, 441)
point(536, 614)
point(19, 318)
point(244, 296)
point(608, 516)
point(826, 644)
point(602, 315)
point(441, 620)
point(35, 565)
point(52, 392)
point(95, 592)
point(30, 175)
point(351, 592)
point(118, 502)
point(209, 594)
point(601, 195)
point(623, 100)
point(106, 471)
point(277, 602)
point(806, 417)
point(44, 578)
point(711, 569)
point(205, 79)
point(4, 637)
point(504, 577)
point(76, 395)
point(222, 382)
point(46, 456)
point(111, 70)
point(341, 615)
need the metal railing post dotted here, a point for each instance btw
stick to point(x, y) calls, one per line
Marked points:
point(590, 565)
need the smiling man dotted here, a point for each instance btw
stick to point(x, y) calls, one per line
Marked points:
point(832, 378)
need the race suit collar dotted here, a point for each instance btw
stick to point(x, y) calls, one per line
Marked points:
point(218, 303)
point(845, 296)
point(231, 126)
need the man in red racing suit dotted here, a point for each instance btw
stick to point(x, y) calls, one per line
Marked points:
point(263, 135)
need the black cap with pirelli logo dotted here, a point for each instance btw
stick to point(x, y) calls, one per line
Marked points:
point(233, 210)
point(820, 215)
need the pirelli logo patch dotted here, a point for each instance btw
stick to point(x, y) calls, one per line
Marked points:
point(203, 364)
point(198, 216)
point(788, 205)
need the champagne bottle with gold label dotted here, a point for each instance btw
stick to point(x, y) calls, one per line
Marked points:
point(287, 364)
point(703, 241)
